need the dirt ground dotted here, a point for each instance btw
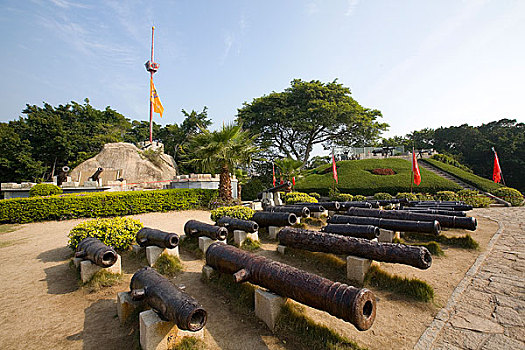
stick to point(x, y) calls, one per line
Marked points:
point(41, 303)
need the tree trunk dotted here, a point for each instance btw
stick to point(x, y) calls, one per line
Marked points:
point(239, 189)
point(225, 185)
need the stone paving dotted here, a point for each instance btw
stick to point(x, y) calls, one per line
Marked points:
point(486, 311)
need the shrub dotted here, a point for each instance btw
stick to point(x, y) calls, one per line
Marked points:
point(219, 202)
point(101, 204)
point(153, 156)
point(407, 195)
point(383, 196)
point(237, 211)
point(250, 245)
point(473, 198)
point(359, 198)
point(424, 197)
point(118, 233)
point(315, 195)
point(511, 195)
point(298, 197)
point(443, 158)
point(446, 196)
point(335, 195)
point(41, 190)
point(383, 171)
point(251, 189)
point(168, 265)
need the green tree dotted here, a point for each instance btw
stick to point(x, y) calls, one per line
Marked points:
point(288, 167)
point(220, 152)
point(291, 122)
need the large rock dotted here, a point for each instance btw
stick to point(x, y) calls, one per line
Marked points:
point(125, 160)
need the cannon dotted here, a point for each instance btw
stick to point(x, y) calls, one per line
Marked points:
point(389, 224)
point(313, 207)
point(285, 187)
point(332, 206)
point(266, 218)
point(358, 231)
point(429, 210)
point(62, 175)
point(170, 302)
point(197, 228)
point(238, 224)
point(98, 253)
point(385, 202)
point(356, 204)
point(96, 175)
point(354, 305)
point(295, 209)
point(432, 203)
point(150, 236)
point(457, 207)
point(468, 223)
point(315, 241)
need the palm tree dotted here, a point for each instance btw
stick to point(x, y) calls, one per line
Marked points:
point(289, 167)
point(220, 152)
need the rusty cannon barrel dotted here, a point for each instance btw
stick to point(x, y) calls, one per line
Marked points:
point(96, 174)
point(266, 218)
point(357, 204)
point(197, 228)
point(238, 224)
point(429, 210)
point(389, 224)
point(468, 223)
point(315, 241)
point(358, 231)
point(313, 207)
point(332, 206)
point(354, 305)
point(170, 302)
point(150, 236)
point(298, 210)
point(98, 253)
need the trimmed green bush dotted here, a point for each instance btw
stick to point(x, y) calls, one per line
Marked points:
point(298, 197)
point(342, 197)
point(443, 158)
point(359, 198)
point(511, 195)
point(315, 195)
point(41, 190)
point(382, 196)
point(118, 233)
point(446, 196)
point(407, 195)
point(236, 211)
point(101, 204)
point(473, 198)
point(424, 197)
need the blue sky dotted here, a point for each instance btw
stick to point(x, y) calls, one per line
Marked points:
point(422, 63)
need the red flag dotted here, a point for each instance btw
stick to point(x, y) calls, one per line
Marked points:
point(273, 169)
point(415, 169)
point(293, 180)
point(334, 169)
point(496, 173)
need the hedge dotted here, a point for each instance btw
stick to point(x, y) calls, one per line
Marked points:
point(101, 204)
point(44, 190)
point(236, 211)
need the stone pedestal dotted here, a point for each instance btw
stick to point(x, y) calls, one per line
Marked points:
point(88, 269)
point(273, 231)
point(331, 213)
point(137, 249)
point(126, 306)
point(281, 249)
point(207, 271)
point(205, 242)
point(156, 334)
point(153, 253)
point(239, 236)
point(256, 205)
point(356, 268)
point(277, 198)
point(385, 236)
point(268, 306)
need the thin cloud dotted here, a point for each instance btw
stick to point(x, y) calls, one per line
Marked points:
point(351, 6)
point(68, 4)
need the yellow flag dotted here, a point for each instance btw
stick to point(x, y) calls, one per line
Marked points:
point(155, 100)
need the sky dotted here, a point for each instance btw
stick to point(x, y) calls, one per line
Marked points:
point(423, 64)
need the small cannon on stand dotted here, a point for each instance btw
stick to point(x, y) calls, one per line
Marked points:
point(62, 175)
point(96, 176)
point(271, 197)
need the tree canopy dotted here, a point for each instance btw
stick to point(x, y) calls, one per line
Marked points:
point(291, 122)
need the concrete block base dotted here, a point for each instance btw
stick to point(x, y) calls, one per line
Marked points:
point(239, 236)
point(77, 261)
point(273, 231)
point(268, 306)
point(281, 249)
point(137, 249)
point(153, 253)
point(88, 269)
point(207, 271)
point(385, 236)
point(205, 242)
point(156, 334)
point(356, 268)
point(331, 213)
point(126, 306)
point(316, 214)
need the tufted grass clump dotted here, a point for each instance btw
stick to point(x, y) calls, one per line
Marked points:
point(311, 221)
point(102, 279)
point(241, 293)
point(191, 244)
point(190, 343)
point(250, 245)
point(465, 242)
point(433, 247)
point(168, 265)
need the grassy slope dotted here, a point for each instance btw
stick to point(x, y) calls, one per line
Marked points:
point(475, 180)
point(355, 178)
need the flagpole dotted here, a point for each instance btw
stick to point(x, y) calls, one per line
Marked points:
point(150, 101)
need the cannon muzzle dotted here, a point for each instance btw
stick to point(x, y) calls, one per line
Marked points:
point(98, 253)
point(150, 236)
point(197, 228)
point(266, 218)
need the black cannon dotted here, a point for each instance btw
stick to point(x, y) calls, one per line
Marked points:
point(389, 224)
point(358, 231)
point(429, 210)
point(385, 202)
point(266, 218)
point(468, 223)
point(62, 175)
point(238, 224)
point(96, 175)
point(315, 241)
point(356, 204)
point(285, 187)
point(298, 210)
point(354, 305)
point(98, 253)
point(432, 203)
point(313, 207)
point(332, 206)
point(150, 236)
point(170, 302)
point(457, 207)
point(197, 228)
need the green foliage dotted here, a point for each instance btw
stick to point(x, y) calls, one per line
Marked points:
point(473, 198)
point(250, 190)
point(168, 265)
point(465, 242)
point(8, 228)
point(311, 221)
point(102, 279)
point(407, 195)
point(335, 195)
point(446, 196)
point(153, 156)
point(40, 190)
point(315, 195)
point(191, 244)
point(359, 198)
point(190, 343)
point(474, 180)
point(117, 232)
point(250, 245)
point(443, 158)
point(241, 293)
point(298, 197)
point(355, 178)
point(101, 204)
point(293, 323)
point(410, 287)
point(237, 211)
point(383, 196)
point(424, 197)
point(511, 195)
